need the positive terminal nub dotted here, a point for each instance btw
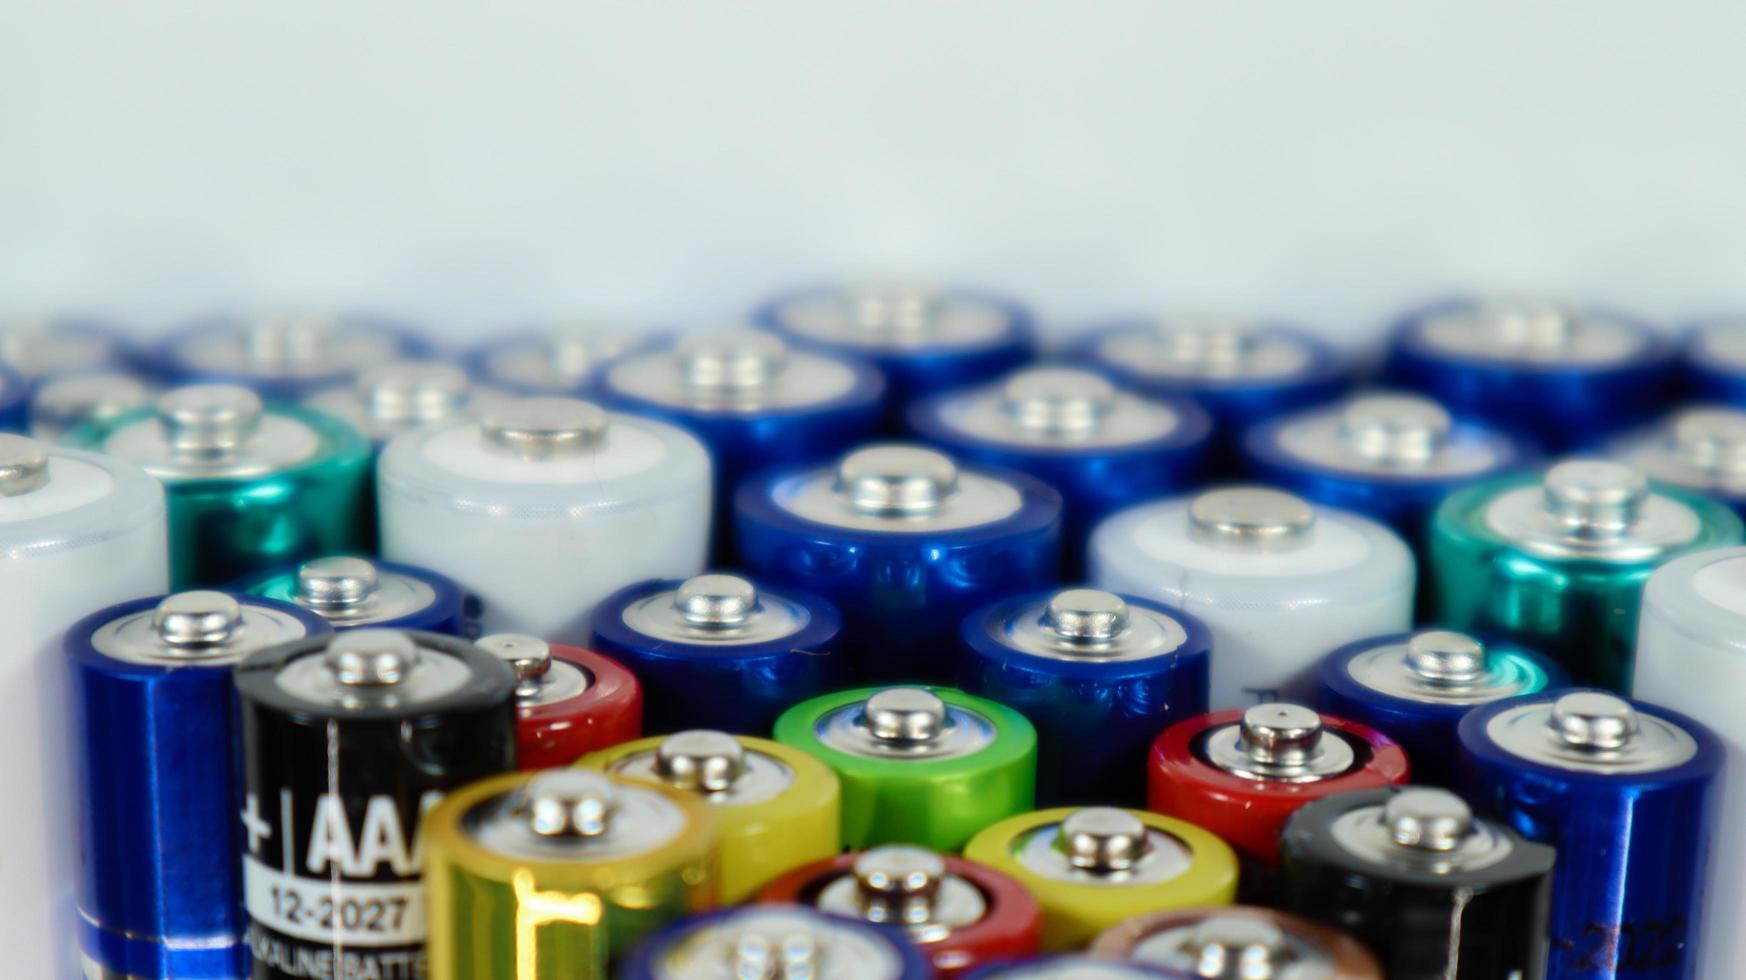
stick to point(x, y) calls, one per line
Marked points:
point(1238, 948)
point(1428, 819)
point(208, 420)
point(1102, 840)
point(529, 656)
point(1398, 430)
point(733, 360)
point(337, 583)
point(544, 428)
point(1594, 720)
point(1446, 658)
point(371, 658)
point(413, 391)
point(716, 601)
point(898, 882)
point(905, 714)
point(1057, 400)
point(1252, 515)
point(23, 465)
point(1712, 439)
point(196, 619)
point(570, 803)
point(1595, 497)
point(1280, 735)
point(893, 309)
point(1086, 616)
point(702, 760)
point(896, 480)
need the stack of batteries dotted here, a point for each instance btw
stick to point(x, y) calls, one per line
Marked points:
point(866, 643)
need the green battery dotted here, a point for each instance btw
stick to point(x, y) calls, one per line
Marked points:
point(919, 765)
point(249, 487)
point(1557, 561)
point(548, 875)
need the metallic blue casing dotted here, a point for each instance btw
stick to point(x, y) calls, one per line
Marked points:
point(902, 595)
point(1703, 379)
point(1560, 407)
point(1095, 721)
point(14, 401)
point(1633, 849)
point(739, 689)
point(160, 891)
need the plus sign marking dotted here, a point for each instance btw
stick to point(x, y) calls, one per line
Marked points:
point(258, 829)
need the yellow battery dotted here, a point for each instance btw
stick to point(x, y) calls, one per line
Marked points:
point(547, 875)
point(1093, 867)
point(776, 808)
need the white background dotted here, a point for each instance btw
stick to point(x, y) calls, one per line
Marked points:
point(470, 164)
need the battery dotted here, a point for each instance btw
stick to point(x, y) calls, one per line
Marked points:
point(1562, 377)
point(14, 402)
point(1278, 580)
point(283, 357)
point(1239, 943)
point(44, 348)
point(78, 532)
point(1242, 372)
point(1691, 656)
point(777, 807)
point(919, 765)
point(775, 941)
point(717, 651)
point(923, 339)
point(348, 741)
point(61, 404)
point(959, 912)
point(1431, 889)
point(568, 701)
point(357, 593)
point(1418, 686)
point(1713, 363)
point(1629, 791)
point(249, 488)
point(1702, 448)
point(905, 542)
point(1093, 867)
point(1557, 562)
point(545, 506)
point(1098, 674)
point(752, 401)
point(1102, 447)
point(564, 359)
point(548, 875)
point(1242, 773)
point(388, 399)
point(1387, 455)
point(154, 706)
point(1073, 967)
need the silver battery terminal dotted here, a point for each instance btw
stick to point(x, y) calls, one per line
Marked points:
point(200, 627)
point(1396, 431)
point(896, 480)
point(1594, 509)
point(1430, 831)
point(1059, 402)
point(1090, 624)
point(906, 723)
point(540, 678)
point(65, 403)
point(1226, 946)
point(715, 610)
point(714, 765)
point(776, 943)
point(905, 886)
point(1591, 731)
point(1102, 846)
point(23, 465)
point(1277, 742)
point(1531, 332)
point(544, 428)
point(1251, 518)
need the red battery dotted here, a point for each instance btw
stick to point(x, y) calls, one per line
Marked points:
point(1242, 773)
point(960, 913)
point(568, 701)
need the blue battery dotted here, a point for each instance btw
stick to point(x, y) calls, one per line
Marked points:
point(154, 707)
point(775, 940)
point(1563, 378)
point(1416, 687)
point(1701, 448)
point(752, 401)
point(924, 341)
point(905, 543)
point(1098, 674)
point(1390, 456)
point(1102, 447)
point(14, 402)
point(44, 348)
point(1626, 792)
point(1713, 362)
point(1241, 372)
point(63, 403)
point(362, 593)
point(282, 358)
point(720, 652)
point(555, 359)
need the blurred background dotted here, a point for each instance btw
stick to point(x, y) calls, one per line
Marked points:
point(470, 165)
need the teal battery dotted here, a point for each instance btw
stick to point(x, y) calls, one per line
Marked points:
point(154, 725)
point(1103, 447)
point(250, 487)
point(281, 357)
point(351, 593)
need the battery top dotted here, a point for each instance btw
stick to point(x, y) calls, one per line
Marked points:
point(558, 360)
point(906, 724)
point(391, 398)
point(1279, 743)
point(1592, 509)
point(1089, 626)
point(902, 884)
point(897, 319)
point(1530, 334)
point(739, 371)
point(1208, 348)
point(1416, 829)
point(375, 674)
point(43, 347)
point(715, 610)
point(778, 941)
point(197, 628)
point(1701, 448)
point(214, 431)
point(540, 678)
point(1444, 667)
point(1103, 846)
point(286, 347)
point(1392, 434)
point(1591, 732)
point(715, 765)
point(350, 591)
point(64, 403)
point(57, 497)
point(576, 816)
point(1064, 408)
point(1235, 947)
point(899, 488)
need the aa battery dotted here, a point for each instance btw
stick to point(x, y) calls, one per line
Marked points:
point(1239, 942)
point(568, 701)
point(554, 875)
point(347, 742)
point(775, 941)
point(1432, 890)
point(1627, 793)
point(154, 723)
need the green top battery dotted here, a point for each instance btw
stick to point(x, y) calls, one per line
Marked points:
point(249, 487)
point(919, 765)
point(1557, 562)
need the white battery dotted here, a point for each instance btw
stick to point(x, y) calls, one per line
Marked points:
point(1691, 658)
point(544, 506)
point(78, 532)
point(1279, 581)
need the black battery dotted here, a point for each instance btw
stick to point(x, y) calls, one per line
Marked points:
point(1436, 893)
point(347, 741)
